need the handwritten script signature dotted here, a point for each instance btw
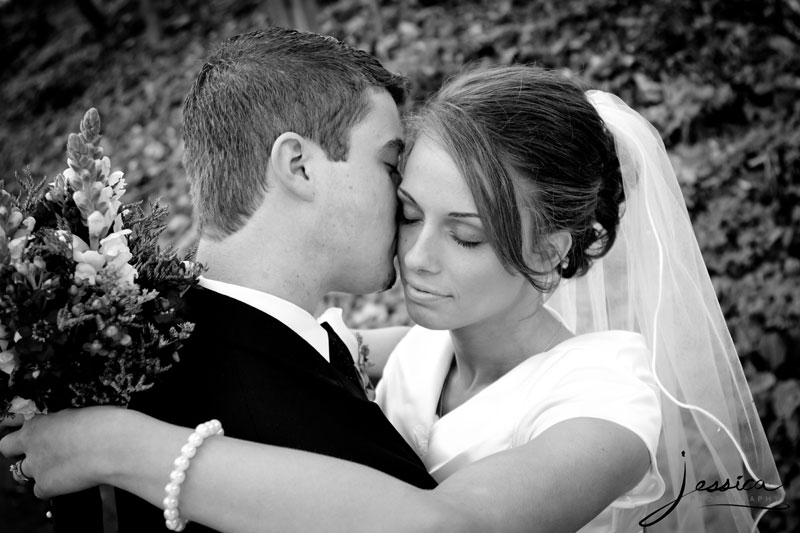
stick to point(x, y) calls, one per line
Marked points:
point(703, 486)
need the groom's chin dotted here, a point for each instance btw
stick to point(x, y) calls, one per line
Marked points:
point(390, 280)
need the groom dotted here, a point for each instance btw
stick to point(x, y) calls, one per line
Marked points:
point(292, 144)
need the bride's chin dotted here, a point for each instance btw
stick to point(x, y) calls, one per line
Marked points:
point(427, 318)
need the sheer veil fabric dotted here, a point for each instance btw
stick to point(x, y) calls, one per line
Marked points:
point(654, 281)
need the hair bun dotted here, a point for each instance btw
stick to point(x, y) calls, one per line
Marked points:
point(595, 241)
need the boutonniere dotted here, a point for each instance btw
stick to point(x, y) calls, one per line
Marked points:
point(362, 364)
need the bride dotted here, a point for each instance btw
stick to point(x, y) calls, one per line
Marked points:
point(571, 369)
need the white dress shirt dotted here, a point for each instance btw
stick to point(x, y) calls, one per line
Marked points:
point(292, 316)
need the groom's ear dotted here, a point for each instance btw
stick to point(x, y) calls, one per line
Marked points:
point(290, 154)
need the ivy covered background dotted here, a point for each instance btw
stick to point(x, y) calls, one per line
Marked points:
point(720, 79)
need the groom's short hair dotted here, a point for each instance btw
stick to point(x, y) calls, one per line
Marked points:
point(256, 86)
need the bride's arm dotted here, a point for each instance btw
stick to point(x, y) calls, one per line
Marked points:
point(558, 481)
point(231, 485)
point(381, 343)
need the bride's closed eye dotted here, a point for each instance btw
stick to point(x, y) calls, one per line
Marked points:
point(466, 234)
point(409, 215)
point(465, 243)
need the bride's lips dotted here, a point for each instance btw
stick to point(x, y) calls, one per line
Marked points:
point(420, 293)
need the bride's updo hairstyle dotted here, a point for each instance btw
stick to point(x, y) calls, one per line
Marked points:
point(538, 160)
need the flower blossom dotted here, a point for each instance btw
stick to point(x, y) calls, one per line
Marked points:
point(112, 257)
point(5, 333)
point(19, 231)
point(7, 361)
point(21, 406)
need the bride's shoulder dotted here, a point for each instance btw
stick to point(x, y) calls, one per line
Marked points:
point(608, 339)
point(605, 347)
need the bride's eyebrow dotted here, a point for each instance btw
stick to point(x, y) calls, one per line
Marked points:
point(453, 214)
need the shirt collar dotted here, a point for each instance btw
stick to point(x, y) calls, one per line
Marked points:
point(293, 316)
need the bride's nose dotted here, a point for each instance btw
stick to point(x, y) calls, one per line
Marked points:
point(419, 249)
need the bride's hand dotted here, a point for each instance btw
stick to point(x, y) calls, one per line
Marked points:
point(60, 450)
point(11, 421)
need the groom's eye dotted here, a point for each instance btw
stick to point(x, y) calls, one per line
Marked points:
point(408, 216)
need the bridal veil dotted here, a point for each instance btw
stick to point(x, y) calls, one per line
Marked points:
point(654, 281)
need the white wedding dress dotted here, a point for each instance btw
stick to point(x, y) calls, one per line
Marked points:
point(654, 282)
point(602, 375)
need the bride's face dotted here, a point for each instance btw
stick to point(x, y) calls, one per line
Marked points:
point(450, 273)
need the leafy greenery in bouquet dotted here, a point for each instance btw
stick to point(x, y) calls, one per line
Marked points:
point(89, 302)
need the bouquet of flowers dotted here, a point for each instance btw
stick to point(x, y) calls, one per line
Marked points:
point(89, 302)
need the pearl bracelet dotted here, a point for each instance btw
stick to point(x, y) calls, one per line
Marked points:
point(174, 522)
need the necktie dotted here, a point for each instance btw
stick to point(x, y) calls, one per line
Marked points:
point(342, 361)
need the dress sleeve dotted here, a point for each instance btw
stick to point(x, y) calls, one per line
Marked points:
point(612, 382)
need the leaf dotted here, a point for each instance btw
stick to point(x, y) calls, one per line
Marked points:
point(774, 349)
point(786, 399)
point(761, 383)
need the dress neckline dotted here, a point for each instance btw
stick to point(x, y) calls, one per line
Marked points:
point(440, 404)
point(446, 369)
point(438, 409)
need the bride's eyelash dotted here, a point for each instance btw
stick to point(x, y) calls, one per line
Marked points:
point(403, 220)
point(465, 244)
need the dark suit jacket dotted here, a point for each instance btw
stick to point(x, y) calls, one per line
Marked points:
point(265, 384)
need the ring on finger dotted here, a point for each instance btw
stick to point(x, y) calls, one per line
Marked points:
point(18, 475)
